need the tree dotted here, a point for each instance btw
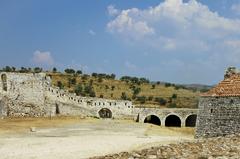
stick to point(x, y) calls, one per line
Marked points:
point(113, 76)
point(78, 89)
point(37, 70)
point(79, 72)
point(168, 84)
point(70, 71)
point(54, 70)
point(7, 69)
point(136, 90)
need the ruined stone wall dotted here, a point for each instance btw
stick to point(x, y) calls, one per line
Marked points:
point(23, 93)
point(29, 94)
point(218, 116)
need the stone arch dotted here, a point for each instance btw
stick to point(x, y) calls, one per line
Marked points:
point(153, 119)
point(191, 120)
point(105, 113)
point(4, 82)
point(173, 120)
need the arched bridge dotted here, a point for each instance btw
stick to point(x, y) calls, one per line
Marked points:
point(181, 117)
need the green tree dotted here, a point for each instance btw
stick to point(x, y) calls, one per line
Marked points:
point(79, 72)
point(54, 70)
point(78, 89)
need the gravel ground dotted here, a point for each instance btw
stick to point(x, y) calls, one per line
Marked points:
point(87, 139)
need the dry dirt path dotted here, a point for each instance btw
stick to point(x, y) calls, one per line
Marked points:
point(86, 139)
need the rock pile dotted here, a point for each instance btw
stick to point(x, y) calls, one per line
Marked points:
point(220, 147)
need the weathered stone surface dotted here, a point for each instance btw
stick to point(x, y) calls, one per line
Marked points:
point(212, 148)
point(218, 116)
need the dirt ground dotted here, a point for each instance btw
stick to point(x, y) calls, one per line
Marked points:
point(70, 138)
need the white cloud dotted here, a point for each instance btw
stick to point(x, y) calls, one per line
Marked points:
point(91, 32)
point(42, 58)
point(112, 11)
point(236, 8)
point(173, 24)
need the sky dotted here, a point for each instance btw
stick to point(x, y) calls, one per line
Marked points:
point(180, 41)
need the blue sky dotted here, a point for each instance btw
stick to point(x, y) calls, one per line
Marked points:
point(173, 40)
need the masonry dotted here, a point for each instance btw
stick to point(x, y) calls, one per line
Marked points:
point(219, 109)
point(32, 95)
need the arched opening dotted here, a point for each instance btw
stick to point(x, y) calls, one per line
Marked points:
point(173, 121)
point(191, 120)
point(153, 119)
point(105, 113)
point(4, 82)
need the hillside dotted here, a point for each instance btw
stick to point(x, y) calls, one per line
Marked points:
point(141, 93)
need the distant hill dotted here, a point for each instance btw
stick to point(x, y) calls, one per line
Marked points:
point(139, 90)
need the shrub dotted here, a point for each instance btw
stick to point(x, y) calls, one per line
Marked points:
point(124, 96)
point(78, 89)
point(60, 84)
point(174, 96)
point(141, 99)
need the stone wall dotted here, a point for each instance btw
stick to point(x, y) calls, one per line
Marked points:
point(29, 94)
point(218, 116)
point(162, 114)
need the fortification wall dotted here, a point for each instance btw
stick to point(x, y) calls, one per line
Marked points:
point(218, 116)
point(30, 94)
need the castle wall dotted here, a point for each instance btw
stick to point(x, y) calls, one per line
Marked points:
point(218, 116)
point(23, 93)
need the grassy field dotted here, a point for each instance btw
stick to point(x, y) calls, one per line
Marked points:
point(113, 89)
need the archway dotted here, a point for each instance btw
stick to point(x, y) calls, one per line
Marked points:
point(173, 121)
point(153, 119)
point(191, 120)
point(105, 113)
point(4, 82)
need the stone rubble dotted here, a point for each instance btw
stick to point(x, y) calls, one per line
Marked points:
point(227, 147)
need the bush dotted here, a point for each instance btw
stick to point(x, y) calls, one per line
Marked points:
point(161, 101)
point(101, 96)
point(141, 99)
point(174, 96)
point(124, 96)
point(60, 84)
point(153, 86)
point(78, 89)
point(150, 98)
